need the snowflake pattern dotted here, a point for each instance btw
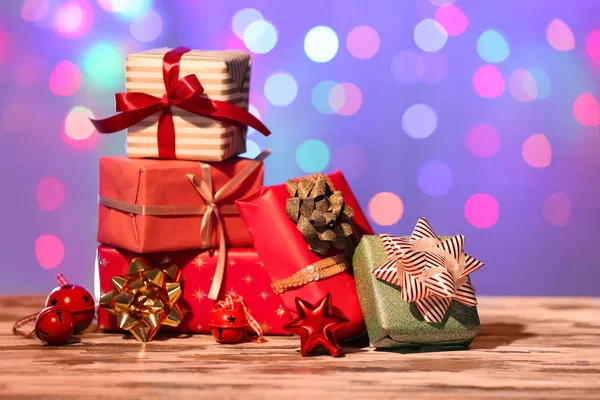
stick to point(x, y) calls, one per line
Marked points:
point(232, 292)
point(199, 262)
point(185, 310)
point(102, 261)
point(265, 327)
point(248, 279)
point(165, 260)
point(280, 311)
point(199, 295)
point(264, 295)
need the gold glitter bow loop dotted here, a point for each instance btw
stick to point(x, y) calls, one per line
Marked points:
point(320, 213)
point(145, 299)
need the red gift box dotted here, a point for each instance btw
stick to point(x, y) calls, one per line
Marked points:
point(149, 206)
point(244, 276)
point(284, 250)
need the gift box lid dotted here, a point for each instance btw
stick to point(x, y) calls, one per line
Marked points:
point(212, 67)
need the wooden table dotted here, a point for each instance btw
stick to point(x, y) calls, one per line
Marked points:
point(547, 348)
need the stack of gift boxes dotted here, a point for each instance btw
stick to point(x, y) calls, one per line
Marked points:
point(181, 211)
point(185, 213)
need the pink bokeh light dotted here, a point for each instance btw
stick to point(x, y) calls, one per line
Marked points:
point(260, 102)
point(235, 43)
point(432, 68)
point(34, 10)
point(345, 99)
point(586, 110)
point(74, 18)
point(522, 85)
point(49, 251)
point(16, 116)
point(453, 19)
point(482, 210)
point(560, 36)
point(79, 133)
point(407, 67)
point(592, 46)
point(3, 44)
point(557, 209)
point(489, 82)
point(50, 193)
point(537, 151)
point(363, 42)
point(28, 70)
point(386, 208)
point(65, 79)
point(483, 140)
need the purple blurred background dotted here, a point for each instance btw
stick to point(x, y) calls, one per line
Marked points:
point(481, 116)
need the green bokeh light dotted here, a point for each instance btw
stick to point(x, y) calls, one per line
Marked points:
point(104, 67)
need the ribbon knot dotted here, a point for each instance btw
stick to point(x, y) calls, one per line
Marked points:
point(183, 93)
point(166, 103)
point(203, 186)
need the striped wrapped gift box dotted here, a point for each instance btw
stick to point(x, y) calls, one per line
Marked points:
point(225, 76)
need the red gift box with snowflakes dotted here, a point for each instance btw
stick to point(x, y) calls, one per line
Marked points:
point(244, 276)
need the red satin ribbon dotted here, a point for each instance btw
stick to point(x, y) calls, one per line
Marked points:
point(183, 93)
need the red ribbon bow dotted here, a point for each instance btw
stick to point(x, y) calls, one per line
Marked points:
point(183, 93)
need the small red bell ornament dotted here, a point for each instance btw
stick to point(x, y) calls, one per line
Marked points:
point(54, 325)
point(231, 321)
point(228, 326)
point(75, 299)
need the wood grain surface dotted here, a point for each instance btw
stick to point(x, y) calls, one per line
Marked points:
point(542, 348)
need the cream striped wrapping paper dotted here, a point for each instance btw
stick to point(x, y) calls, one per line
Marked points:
point(225, 76)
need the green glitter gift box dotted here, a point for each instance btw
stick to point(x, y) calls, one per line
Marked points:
point(416, 292)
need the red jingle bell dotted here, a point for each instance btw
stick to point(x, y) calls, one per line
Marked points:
point(228, 325)
point(54, 325)
point(75, 299)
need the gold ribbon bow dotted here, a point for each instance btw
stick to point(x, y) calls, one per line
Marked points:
point(213, 214)
point(145, 299)
point(320, 213)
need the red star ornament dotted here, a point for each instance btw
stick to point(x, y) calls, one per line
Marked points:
point(317, 325)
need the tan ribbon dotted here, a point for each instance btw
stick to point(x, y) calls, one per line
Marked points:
point(204, 188)
point(212, 210)
point(162, 211)
point(320, 270)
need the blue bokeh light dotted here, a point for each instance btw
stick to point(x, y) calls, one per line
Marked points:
point(260, 37)
point(312, 156)
point(419, 121)
point(492, 47)
point(430, 35)
point(281, 89)
point(320, 96)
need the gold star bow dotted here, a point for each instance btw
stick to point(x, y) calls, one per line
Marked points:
point(145, 299)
